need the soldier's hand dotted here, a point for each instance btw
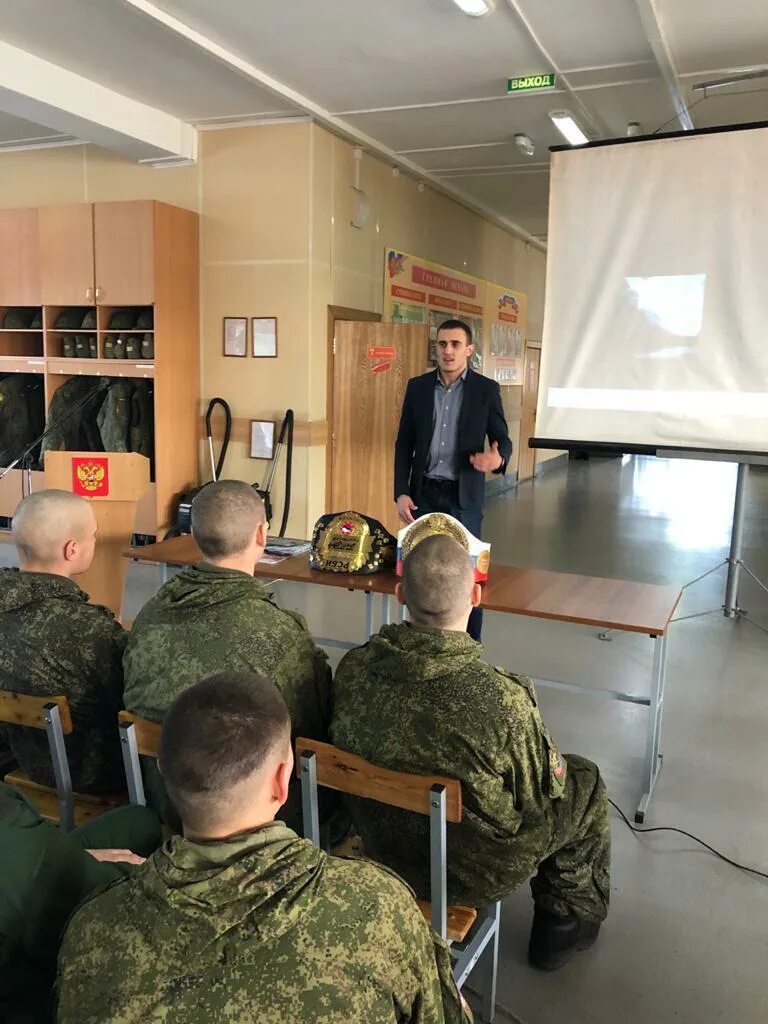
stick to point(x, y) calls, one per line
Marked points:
point(117, 856)
point(405, 509)
point(487, 462)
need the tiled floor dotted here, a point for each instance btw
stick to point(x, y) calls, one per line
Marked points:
point(687, 937)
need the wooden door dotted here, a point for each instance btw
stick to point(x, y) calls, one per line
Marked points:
point(123, 235)
point(527, 461)
point(19, 258)
point(371, 367)
point(66, 254)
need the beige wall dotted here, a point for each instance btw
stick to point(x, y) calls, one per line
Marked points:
point(276, 240)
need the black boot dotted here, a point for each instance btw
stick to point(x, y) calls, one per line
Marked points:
point(554, 939)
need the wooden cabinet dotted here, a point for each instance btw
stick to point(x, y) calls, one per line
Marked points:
point(123, 245)
point(66, 254)
point(137, 257)
point(19, 258)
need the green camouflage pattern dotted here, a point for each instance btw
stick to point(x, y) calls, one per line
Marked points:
point(55, 643)
point(22, 414)
point(44, 874)
point(260, 927)
point(114, 416)
point(75, 431)
point(206, 620)
point(423, 701)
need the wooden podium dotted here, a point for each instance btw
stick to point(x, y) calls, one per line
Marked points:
point(113, 482)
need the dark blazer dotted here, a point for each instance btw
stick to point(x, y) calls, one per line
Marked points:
point(481, 415)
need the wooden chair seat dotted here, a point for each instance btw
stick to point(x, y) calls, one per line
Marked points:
point(458, 919)
point(87, 805)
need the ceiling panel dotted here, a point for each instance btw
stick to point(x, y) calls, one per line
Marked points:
point(16, 129)
point(357, 54)
point(590, 32)
point(711, 34)
point(110, 42)
point(461, 124)
point(732, 105)
point(523, 198)
point(646, 102)
point(480, 157)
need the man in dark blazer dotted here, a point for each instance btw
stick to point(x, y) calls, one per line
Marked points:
point(440, 461)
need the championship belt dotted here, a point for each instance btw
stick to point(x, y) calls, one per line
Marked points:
point(440, 523)
point(351, 542)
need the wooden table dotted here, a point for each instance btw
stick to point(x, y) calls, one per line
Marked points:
point(564, 597)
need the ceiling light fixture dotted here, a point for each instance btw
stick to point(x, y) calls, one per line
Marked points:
point(566, 124)
point(525, 144)
point(719, 83)
point(474, 8)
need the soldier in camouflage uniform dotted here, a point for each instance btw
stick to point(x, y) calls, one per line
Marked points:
point(44, 875)
point(419, 698)
point(241, 920)
point(52, 642)
point(216, 616)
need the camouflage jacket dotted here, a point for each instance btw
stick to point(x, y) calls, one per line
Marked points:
point(423, 701)
point(207, 620)
point(260, 927)
point(44, 874)
point(52, 642)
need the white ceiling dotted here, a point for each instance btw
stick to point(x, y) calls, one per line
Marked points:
point(416, 76)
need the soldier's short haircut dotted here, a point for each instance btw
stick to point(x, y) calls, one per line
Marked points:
point(43, 522)
point(437, 580)
point(216, 734)
point(225, 516)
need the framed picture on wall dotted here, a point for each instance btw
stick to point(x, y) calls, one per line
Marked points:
point(264, 336)
point(262, 439)
point(235, 336)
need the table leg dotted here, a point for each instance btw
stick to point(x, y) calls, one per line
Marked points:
point(368, 616)
point(385, 615)
point(163, 573)
point(653, 757)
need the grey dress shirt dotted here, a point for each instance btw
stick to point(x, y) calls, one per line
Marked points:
point(442, 463)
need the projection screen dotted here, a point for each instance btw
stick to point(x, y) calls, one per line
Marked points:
point(656, 316)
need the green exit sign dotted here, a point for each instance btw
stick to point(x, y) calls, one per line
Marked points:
point(524, 83)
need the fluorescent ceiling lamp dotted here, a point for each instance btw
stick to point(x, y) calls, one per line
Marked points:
point(474, 8)
point(566, 124)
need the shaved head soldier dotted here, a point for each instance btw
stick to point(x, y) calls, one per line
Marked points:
point(215, 616)
point(240, 920)
point(419, 698)
point(55, 643)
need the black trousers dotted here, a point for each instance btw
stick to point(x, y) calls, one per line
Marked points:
point(443, 496)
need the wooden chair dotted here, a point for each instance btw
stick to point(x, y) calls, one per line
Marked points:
point(440, 799)
point(137, 736)
point(61, 804)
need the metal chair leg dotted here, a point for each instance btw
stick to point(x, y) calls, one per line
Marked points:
point(131, 763)
point(58, 750)
point(309, 802)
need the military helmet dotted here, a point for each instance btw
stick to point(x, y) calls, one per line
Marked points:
point(18, 319)
point(89, 321)
point(70, 319)
point(146, 319)
point(123, 320)
point(351, 542)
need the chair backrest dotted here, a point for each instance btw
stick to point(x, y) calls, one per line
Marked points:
point(137, 736)
point(433, 795)
point(53, 715)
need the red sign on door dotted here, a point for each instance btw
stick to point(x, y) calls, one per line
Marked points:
point(90, 477)
point(381, 352)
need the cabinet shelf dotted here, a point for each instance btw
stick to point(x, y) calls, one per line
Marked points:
point(22, 364)
point(100, 367)
point(21, 330)
point(130, 330)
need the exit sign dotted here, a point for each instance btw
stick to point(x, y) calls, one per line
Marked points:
point(525, 83)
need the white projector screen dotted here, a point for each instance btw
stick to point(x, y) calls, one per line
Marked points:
point(656, 318)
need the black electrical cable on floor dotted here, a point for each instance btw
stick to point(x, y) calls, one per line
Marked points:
point(682, 832)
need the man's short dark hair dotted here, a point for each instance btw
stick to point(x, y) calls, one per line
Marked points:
point(437, 579)
point(216, 734)
point(225, 516)
point(456, 325)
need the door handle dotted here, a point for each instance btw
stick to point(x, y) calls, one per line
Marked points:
point(88, 294)
point(98, 293)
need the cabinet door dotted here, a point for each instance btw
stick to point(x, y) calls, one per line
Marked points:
point(19, 258)
point(124, 247)
point(66, 254)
